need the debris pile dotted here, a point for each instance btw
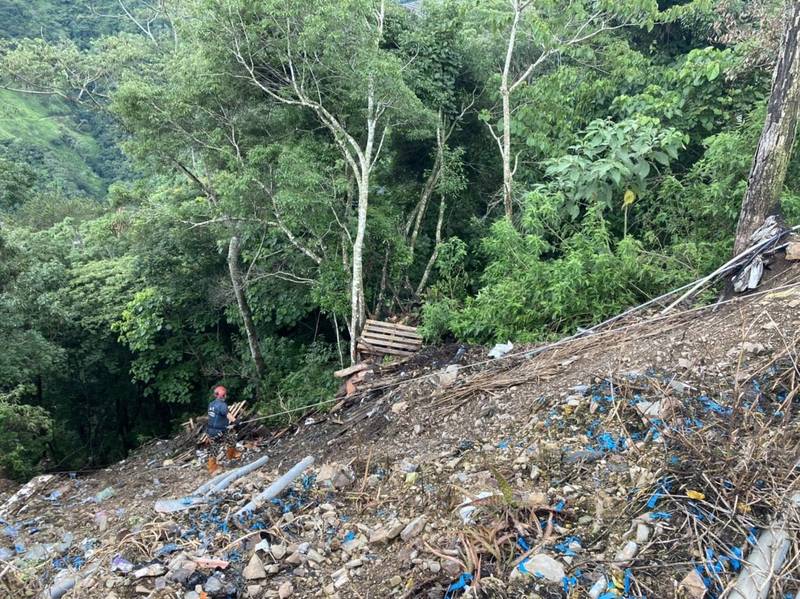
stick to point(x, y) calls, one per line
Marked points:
point(654, 459)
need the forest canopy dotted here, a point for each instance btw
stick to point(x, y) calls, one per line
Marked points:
point(222, 191)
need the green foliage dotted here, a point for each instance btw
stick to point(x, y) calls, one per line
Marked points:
point(631, 149)
point(27, 430)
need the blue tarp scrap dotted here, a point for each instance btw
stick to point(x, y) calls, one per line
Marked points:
point(559, 506)
point(167, 549)
point(349, 536)
point(664, 487)
point(458, 585)
point(607, 442)
point(627, 580)
point(660, 516)
point(523, 544)
point(751, 535)
point(563, 546)
point(712, 406)
point(736, 556)
point(570, 582)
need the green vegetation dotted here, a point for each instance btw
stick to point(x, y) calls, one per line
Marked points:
point(300, 166)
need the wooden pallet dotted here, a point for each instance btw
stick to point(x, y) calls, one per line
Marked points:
point(380, 338)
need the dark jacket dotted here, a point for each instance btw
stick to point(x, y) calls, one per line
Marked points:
point(217, 418)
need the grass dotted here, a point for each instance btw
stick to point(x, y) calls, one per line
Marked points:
point(44, 132)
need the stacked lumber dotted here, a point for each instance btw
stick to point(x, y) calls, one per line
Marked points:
point(196, 427)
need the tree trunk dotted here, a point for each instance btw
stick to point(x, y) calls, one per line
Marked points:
point(357, 309)
point(771, 160)
point(435, 253)
point(244, 307)
point(508, 176)
point(505, 94)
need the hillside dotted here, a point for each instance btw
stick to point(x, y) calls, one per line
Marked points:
point(71, 149)
point(647, 456)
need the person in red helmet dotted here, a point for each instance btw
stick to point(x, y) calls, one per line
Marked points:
point(218, 420)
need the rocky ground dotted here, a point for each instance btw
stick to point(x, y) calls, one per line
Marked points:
point(642, 461)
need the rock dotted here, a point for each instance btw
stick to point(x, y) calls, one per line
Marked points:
point(395, 581)
point(212, 585)
point(627, 553)
point(278, 551)
point(315, 556)
point(336, 476)
point(793, 251)
point(399, 407)
point(386, 533)
point(342, 580)
point(413, 528)
point(295, 558)
point(543, 565)
point(693, 585)
point(285, 590)
point(151, 570)
point(253, 591)
point(448, 376)
point(254, 570)
point(191, 595)
point(582, 390)
point(142, 590)
point(535, 472)
point(643, 533)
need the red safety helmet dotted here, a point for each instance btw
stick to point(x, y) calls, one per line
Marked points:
point(220, 392)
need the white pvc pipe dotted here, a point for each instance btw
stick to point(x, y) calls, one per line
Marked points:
point(277, 487)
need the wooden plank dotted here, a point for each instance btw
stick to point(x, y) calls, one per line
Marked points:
point(351, 370)
point(381, 334)
point(405, 340)
point(402, 327)
point(371, 349)
point(382, 328)
point(384, 343)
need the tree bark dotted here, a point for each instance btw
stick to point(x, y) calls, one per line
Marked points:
point(771, 160)
point(435, 253)
point(505, 94)
point(244, 307)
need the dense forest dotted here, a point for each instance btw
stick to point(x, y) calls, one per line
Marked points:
point(203, 191)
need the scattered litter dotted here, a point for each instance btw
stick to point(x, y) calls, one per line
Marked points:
point(501, 349)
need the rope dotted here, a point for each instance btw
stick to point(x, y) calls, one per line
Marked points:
point(593, 332)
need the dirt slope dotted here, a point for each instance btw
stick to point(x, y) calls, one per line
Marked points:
point(642, 457)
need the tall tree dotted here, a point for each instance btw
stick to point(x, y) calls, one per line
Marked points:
point(533, 34)
point(330, 59)
point(771, 160)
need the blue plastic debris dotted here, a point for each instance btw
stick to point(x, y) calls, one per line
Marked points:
point(10, 531)
point(660, 516)
point(523, 544)
point(736, 557)
point(559, 506)
point(458, 585)
point(608, 442)
point(166, 549)
point(503, 444)
point(627, 580)
point(19, 547)
point(349, 536)
point(568, 583)
point(712, 406)
point(563, 547)
point(664, 486)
